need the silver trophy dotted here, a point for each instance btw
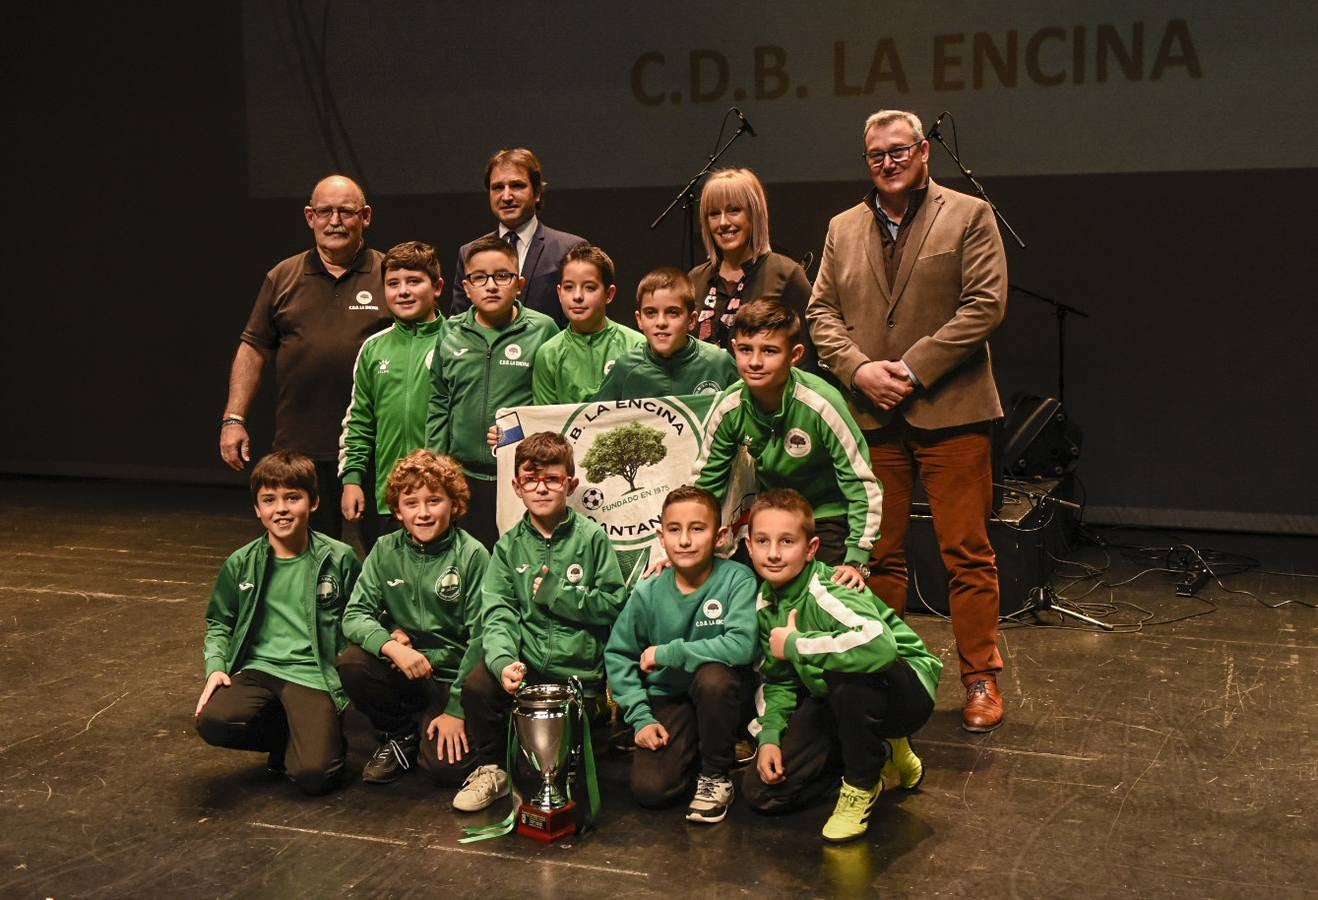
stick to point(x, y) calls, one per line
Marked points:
point(543, 718)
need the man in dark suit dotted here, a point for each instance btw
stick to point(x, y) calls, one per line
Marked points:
point(912, 282)
point(517, 188)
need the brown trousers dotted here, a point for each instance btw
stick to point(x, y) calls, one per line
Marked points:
point(955, 467)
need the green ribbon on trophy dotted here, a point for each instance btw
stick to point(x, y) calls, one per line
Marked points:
point(541, 728)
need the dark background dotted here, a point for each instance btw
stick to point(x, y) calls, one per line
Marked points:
point(135, 254)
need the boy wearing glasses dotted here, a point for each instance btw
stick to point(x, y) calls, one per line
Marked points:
point(481, 363)
point(550, 595)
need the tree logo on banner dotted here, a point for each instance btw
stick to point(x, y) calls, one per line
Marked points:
point(624, 451)
point(632, 453)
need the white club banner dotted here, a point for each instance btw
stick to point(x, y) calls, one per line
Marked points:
point(629, 455)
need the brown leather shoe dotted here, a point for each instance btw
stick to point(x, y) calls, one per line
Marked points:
point(983, 708)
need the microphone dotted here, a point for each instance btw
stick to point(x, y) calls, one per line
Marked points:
point(745, 123)
point(933, 132)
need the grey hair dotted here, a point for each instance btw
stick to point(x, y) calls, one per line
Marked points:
point(884, 116)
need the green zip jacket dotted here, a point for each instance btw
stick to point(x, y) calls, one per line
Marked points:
point(698, 368)
point(240, 588)
point(569, 367)
point(715, 623)
point(811, 444)
point(561, 630)
point(432, 592)
point(386, 417)
point(473, 378)
point(839, 629)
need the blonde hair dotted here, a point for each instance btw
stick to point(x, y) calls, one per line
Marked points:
point(738, 187)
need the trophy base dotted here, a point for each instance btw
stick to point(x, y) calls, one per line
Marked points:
point(547, 824)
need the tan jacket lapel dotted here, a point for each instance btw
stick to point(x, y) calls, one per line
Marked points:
point(924, 220)
point(874, 253)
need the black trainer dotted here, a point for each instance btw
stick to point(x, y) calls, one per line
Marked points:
point(392, 759)
point(274, 763)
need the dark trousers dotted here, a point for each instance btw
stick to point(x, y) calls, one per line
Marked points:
point(328, 517)
point(262, 712)
point(373, 527)
point(703, 727)
point(479, 521)
point(956, 469)
point(833, 533)
point(398, 706)
point(852, 721)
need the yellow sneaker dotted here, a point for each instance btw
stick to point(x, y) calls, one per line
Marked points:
point(851, 816)
point(903, 769)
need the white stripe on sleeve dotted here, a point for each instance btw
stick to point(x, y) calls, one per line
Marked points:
point(869, 629)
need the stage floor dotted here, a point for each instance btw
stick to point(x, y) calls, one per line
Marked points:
point(1174, 762)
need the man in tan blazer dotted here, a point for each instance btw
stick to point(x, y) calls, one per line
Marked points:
point(912, 282)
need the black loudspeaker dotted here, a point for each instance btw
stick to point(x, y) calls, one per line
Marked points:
point(1038, 439)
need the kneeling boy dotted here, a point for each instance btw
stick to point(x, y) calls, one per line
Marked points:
point(840, 668)
point(551, 592)
point(273, 621)
point(678, 662)
point(411, 621)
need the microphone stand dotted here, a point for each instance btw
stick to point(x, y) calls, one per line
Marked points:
point(1043, 598)
point(690, 200)
point(1062, 310)
point(936, 134)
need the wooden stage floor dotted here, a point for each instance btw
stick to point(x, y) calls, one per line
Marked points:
point(1178, 761)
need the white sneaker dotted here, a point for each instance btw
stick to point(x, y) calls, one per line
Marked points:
point(712, 799)
point(482, 787)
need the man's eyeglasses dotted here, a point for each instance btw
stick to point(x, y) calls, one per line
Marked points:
point(325, 213)
point(532, 482)
point(899, 155)
point(502, 279)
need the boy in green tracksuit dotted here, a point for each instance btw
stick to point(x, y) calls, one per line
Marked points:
point(570, 366)
point(483, 362)
point(796, 428)
point(840, 668)
point(678, 662)
point(672, 362)
point(551, 593)
point(391, 386)
point(412, 620)
point(272, 632)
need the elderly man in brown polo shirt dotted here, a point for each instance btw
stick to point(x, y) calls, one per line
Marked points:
point(912, 282)
point(312, 314)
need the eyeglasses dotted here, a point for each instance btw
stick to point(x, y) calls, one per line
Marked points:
point(325, 213)
point(532, 482)
point(899, 154)
point(502, 279)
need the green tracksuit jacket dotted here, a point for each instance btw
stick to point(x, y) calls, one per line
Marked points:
point(561, 630)
point(713, 624)
point(432, 592)
point(569, 367)
point(240, 589)
point(811, 444)
point(473, 378)
point(386, 417)
point(698, 368)
point(839, 629)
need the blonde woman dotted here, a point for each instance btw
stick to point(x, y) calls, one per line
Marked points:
point(734, 223)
